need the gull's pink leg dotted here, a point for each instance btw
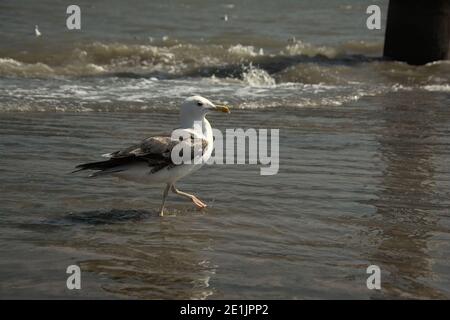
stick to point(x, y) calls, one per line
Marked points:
point(200, 204)
point(166, 191)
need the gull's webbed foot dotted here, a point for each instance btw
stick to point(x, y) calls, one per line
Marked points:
point(200, 204)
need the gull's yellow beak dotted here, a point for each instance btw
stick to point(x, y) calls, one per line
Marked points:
point(221, 108)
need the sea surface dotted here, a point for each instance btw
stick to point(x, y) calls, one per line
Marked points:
point(364, 176)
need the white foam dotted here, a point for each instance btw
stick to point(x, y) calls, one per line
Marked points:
point(437, 87)
point(257, 77)
point(245, 51)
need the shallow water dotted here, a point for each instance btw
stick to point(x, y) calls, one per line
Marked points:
point(364, 151)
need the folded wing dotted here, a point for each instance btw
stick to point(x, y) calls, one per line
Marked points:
point(154, 151)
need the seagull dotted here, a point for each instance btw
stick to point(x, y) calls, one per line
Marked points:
point(152, 161)
point(36, 31)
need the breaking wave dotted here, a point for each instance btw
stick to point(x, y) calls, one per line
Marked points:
point(257, 77)
point(164, 60)
point(295, 62)
point(137, 77)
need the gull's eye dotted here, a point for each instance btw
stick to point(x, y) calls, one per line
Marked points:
point(200, 104)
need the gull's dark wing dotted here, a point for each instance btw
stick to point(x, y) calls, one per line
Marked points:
point(155, 151)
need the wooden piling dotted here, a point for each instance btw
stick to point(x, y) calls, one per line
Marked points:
point(418, 31)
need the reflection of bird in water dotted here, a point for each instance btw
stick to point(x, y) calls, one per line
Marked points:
point(151, 161)
point(36, 31)
point(169, 265)
point(406, 199)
